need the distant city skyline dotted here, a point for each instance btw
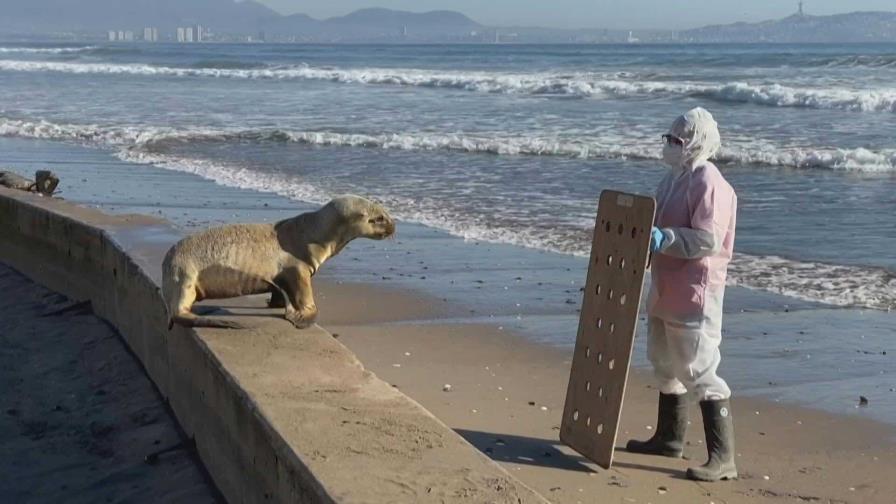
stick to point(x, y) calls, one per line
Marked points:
point(634, 14)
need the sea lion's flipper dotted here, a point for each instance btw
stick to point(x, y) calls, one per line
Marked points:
point(194, 321)
point(301, 310)
point(300, 320)
point(278, 296)
point(277, 300)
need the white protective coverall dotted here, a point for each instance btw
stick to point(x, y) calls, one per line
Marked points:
point(696, 212)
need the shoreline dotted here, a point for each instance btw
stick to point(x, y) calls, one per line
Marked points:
point(793, 344)
point(807, 455)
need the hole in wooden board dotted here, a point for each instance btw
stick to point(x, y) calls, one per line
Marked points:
point(620, 229)
point(600, 428)
point(575, 416)
point(622, 299)
point(610, 295)
point(611, 364)
point(622, 263)
point(587, 386)
point(634, 232)
point(600, 391)
point(597, 290)
point(607, 227)
point(587, 351)
point(609, 260)
point(612, 327)
point(625, 200)
point(587, 421)
point(600, 322)
point(600, 357)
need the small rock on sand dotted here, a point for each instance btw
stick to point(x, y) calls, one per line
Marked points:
point(446, 388)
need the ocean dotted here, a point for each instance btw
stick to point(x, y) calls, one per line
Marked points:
point(504, 143)
point(508, 147)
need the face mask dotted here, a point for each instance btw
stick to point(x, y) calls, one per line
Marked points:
point(672, 155)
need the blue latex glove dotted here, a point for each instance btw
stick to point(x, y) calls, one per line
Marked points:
point(656, 239)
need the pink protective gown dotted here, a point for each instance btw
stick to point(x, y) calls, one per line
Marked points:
point(696, 211)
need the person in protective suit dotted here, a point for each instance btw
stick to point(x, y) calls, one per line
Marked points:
point(692, 243)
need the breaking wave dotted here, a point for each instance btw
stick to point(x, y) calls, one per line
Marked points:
point(545, 84)
point(856, 61)
point(831, 284)
point(836, 285)
point(856, 160)
point(46, 50)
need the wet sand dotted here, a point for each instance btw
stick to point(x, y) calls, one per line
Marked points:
point(507, 396)
point(79, 415)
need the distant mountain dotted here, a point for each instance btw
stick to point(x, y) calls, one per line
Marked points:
point(852, 27)
point(225, 17)
point(376, 24)
point(386, 19)
point(232, 20)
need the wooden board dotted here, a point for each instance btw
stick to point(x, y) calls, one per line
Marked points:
point(619, 255)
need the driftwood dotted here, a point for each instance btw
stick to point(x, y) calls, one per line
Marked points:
point(44, 182)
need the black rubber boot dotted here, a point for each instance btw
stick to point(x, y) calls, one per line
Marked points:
point(671, 424)
point(718, 425)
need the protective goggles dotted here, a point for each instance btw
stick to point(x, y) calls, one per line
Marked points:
point(672, 139)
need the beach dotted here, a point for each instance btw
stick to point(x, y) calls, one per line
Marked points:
point(492, 160)
point(506, 398)
point(393, 304)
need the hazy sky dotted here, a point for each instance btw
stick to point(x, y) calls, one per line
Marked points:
point(593, 13)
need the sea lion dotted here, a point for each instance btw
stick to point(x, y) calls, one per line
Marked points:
point(44, 182)
point(280, 258)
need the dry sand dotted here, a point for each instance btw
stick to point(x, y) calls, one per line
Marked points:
point(507, 395)
point(78, 413)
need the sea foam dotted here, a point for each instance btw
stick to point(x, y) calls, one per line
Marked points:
point(831, 284)
point(45, 50)
point(543, 84)
point(837, 285)
point(857, 160)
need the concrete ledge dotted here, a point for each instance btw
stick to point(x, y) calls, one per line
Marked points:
point(278, 415)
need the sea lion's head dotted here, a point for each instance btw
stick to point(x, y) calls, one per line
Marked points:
point(364, 218)
point(45, 182)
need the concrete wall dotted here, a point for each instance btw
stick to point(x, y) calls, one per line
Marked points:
point(278, 415)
